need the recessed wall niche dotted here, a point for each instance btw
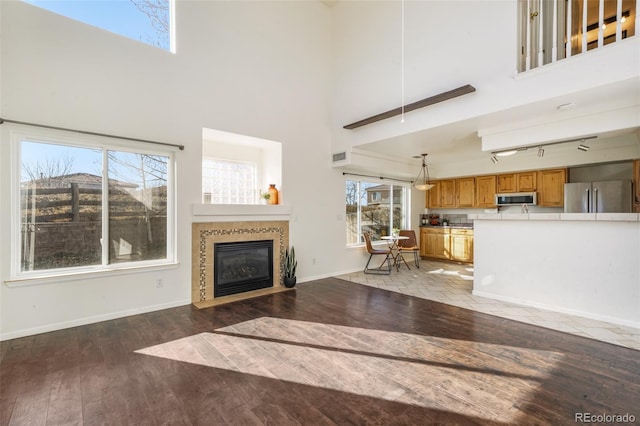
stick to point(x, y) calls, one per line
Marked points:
point(265, 154)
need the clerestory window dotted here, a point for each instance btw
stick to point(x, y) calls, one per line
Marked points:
point(147, 21)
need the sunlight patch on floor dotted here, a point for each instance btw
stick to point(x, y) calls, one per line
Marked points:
point(472, 378)
point(465, 277)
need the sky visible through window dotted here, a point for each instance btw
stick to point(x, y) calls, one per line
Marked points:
point(118, 16)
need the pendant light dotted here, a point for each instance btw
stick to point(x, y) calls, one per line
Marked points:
point(424, 184)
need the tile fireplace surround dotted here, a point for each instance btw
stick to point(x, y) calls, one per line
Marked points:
point(206, 234)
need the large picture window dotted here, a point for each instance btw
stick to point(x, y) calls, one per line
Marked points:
point(375, 208)
point(82, 207)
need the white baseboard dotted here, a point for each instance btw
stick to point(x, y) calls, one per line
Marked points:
point(329, 275)
point(560, 309)
point(90, 320)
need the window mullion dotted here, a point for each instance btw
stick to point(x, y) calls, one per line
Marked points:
point(105, 208)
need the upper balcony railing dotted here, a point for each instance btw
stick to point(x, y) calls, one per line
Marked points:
point(557, 29)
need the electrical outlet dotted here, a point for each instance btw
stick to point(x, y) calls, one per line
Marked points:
point(159, 283)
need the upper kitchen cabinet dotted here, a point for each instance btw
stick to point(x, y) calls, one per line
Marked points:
point(527, 181)
point(442, 195)
point(636, 185)
point(466, 192)
point(517, 182)
point(551, 187)
point(433, 196)
point(486, 191)
point(448, 193)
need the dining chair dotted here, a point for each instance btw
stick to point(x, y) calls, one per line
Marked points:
point(377, 252)
point(410, 245)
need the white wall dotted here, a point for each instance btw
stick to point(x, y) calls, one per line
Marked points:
point(452, 43)
point(587, 268)
point(261, 69)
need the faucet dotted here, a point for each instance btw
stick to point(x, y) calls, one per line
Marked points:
point(524, 208)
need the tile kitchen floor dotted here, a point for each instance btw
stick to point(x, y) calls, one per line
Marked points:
point(452, 284)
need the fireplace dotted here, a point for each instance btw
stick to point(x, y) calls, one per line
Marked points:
point(209, 237)
point(242, 266)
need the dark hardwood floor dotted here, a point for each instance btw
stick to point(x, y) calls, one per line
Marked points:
point(330, 352)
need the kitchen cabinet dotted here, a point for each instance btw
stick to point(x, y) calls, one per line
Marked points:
point(526, 181)
point(447, 244)
point(434, 242)
point(486, 191)
point(442, 195)
point(465, 189)
point(551, 187)
point(448, 193)
point(636, 185)
point(433, 196)
point(516, 182)
point(461, 245)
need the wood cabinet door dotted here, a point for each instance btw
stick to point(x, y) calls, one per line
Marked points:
point(551, 187)
point(461, 248)
point(448, 193)
point(436, 243)
point(465, 188)
point(486, 191)
point(441, 246)
point(507, 183)
point(526, 182)
point(423, 242)
point(433, 196)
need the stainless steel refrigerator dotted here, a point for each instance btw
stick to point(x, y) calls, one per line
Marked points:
point(598, 197)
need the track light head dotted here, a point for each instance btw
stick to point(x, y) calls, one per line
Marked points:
point(540, 152)
point(583, 147)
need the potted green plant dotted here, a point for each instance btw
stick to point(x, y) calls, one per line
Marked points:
point(290, 265)
point(265, 196)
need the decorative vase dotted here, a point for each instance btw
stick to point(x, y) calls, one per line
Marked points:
point(273, 192)
point(289, 282)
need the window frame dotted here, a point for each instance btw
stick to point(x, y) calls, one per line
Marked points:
point(405, 208)
point(64, 138)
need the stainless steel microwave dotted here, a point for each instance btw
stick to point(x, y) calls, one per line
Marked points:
point(517, 199)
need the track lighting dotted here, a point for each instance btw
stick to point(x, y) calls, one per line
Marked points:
point(583, 147)
point(507, 152)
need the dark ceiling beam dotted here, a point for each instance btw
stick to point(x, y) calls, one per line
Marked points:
point(444, 96)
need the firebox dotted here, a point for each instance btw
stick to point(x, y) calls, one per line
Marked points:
point(242, 266)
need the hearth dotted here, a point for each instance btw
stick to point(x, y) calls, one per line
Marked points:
point(242, 266)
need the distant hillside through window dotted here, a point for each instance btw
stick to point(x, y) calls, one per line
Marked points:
point(147, 21)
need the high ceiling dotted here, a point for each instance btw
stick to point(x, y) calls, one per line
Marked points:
point(460, 141)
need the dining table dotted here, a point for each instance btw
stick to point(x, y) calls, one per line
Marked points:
point(394, 247)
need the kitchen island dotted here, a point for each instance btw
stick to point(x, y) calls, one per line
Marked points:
point(585, 264)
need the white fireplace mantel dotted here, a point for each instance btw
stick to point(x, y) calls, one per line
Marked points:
point(235, 212)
